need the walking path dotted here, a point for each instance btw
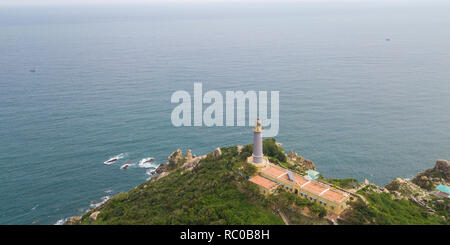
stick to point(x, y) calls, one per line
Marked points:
point(285, 220)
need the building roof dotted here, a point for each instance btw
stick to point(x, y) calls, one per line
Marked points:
point(312, 172)
point(333, 195)
point(291, 177)
point(274, 171)
point(284, 176)
point(300, 180)
point(261, 181)
point(305, 183)
point(443, 188)
point(314, 187)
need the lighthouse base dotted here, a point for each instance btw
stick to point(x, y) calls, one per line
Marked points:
point(261, 165)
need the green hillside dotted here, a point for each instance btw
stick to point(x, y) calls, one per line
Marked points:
point(383, 209)
point(216, 191)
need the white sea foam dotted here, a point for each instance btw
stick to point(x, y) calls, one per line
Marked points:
point(97, 204)
point(61, 221)
point(127, 165)
point(151, 171)
point(144, 164)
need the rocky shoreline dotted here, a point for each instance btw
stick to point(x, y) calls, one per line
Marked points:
point(418, 190)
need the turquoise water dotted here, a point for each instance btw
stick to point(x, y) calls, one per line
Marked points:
point(354, 103)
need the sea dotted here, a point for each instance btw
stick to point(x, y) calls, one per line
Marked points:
point(364, 91)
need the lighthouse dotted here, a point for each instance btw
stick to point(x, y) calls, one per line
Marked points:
point(257, 158)
point(257, 144)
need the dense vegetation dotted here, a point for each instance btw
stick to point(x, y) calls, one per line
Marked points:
point(383, 209)
point(292, 206)
point(440, 206)
point(270, 150)
point(215, 192)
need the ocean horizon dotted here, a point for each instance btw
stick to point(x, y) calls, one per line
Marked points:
point(364, 92)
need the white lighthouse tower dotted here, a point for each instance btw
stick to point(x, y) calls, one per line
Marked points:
point(257, 143)
point(257, 157)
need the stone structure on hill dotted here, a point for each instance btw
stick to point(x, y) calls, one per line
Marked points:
point(405, 188)
point(217, 152)
point(175, 157)
point(432, 177)
point(300, 163)
point(188, 156)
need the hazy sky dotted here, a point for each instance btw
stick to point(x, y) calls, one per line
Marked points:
point(59, 2)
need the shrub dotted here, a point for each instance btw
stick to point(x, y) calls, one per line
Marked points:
point(271, 149)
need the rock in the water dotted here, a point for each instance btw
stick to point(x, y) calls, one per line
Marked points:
point(94, 215)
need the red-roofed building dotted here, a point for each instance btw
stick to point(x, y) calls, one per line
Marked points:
point(267, 186)
point(272, 176)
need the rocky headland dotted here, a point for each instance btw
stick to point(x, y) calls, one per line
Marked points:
point(402, 201)
point(432, 177)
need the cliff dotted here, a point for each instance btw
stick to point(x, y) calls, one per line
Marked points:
point(300, 163)
point(213, 189)
point(432, 177)
point(402, 201)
